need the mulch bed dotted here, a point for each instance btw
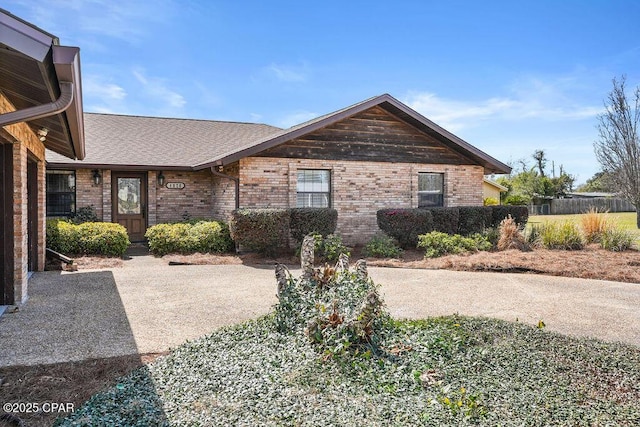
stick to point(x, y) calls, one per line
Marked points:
point(589, 263)
point(72, 382)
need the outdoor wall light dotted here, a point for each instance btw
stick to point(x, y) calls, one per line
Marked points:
point(161, 179)
point(42, 134)
point(97, 179)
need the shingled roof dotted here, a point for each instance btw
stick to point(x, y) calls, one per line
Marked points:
point(153, 143)
point(148, 143)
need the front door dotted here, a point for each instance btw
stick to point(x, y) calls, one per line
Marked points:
point(129, 202)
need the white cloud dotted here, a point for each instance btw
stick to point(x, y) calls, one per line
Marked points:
point(95, 86)
point(157, 89)
point(296, 118)
point(529, 98)
point(288, 73)
point(126, 21)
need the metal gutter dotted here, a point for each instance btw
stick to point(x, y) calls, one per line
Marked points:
point(41, 111)
point(235, 180)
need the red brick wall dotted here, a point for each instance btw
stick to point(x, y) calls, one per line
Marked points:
point(194, 200)
point(26, 146)
point(164, 204)
point(359, 189)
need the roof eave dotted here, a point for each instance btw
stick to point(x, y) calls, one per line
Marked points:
point(66, 61)
point(59, 68)
point(489, 164)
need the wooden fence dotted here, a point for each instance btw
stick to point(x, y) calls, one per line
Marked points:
point(578, 206)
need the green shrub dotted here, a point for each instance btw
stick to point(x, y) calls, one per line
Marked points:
point(167, 238)
point(210, 236)
point(561, 235)
point(382, 246)
point(332, 247)
point(189, 237)
point(437, 243)
point(490, 201)
point(303, 221)
point(340, 311)
point(474, 219)
point(62, 236)
point(84, 214)
point(492, 235)
point(616, 240)
point(103, 238)
point(517, 200)
point(445, 220)
point(405, 225)
point(520, 215)
point(261, 230)
point(89, 238)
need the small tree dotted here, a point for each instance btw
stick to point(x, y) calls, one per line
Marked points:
point(618, 147)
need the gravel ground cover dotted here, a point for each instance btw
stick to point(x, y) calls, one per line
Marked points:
point(441, 371)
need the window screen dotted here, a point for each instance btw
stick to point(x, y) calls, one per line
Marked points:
point(313, 189)
point(430, 190)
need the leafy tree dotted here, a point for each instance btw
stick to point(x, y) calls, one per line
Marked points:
point(533, 182)
point(618, 147)
point(600, 182)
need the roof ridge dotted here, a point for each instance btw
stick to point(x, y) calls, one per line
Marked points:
point(179, 118)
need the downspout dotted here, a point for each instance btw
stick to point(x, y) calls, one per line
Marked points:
point(39, 111)
point(235, 180)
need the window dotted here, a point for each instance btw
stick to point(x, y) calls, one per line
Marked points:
point(61, 193)
point(430, 190)
point(313, 188)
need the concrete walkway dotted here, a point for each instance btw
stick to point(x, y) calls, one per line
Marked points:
point(148, 306)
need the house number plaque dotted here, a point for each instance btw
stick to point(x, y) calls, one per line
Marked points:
point(175, 185)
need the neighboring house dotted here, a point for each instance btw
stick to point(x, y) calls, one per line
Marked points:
point(379, 153)
point(491, 189)
point(40, 107)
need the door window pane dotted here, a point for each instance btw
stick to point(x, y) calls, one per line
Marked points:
point(430, 190)
point(129, 196)
point(313, 188)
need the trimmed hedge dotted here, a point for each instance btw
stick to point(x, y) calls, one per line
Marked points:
point(445, 220)
point(520, 215)
point(189, 237)
point(303, 221)
point(405, 225)
point(474, 219)
point(88, 238)
point(260, 230)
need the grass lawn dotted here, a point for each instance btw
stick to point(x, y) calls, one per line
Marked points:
point(441, 371)
point(624, 220)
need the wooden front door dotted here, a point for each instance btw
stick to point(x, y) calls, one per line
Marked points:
point(129, 202)
point(6, 224)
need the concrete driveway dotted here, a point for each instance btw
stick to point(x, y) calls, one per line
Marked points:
point(148, 306)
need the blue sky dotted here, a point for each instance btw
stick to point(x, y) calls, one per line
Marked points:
point(509, 77)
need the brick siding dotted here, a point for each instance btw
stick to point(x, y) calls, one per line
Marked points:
point(358, 189)
point(26, 147)
point(164, 204)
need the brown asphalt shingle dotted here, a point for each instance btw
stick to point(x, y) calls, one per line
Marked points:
point(167, 142)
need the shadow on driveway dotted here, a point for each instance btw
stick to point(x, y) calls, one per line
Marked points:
point(68, 318)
